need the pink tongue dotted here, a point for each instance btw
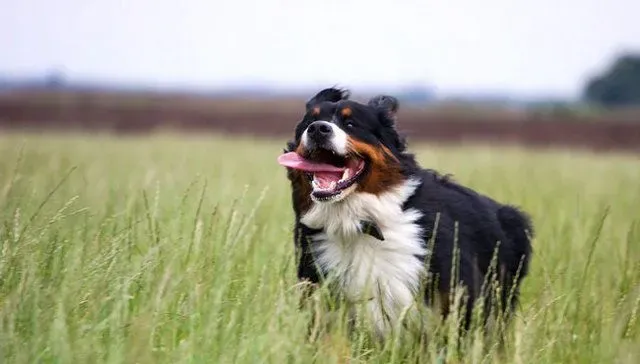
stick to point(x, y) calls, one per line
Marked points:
point(295, 161)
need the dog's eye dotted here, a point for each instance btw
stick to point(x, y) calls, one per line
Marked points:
point(349, 124)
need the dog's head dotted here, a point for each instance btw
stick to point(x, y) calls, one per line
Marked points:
point(342, 147)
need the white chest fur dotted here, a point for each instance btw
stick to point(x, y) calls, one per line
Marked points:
point(386, 274)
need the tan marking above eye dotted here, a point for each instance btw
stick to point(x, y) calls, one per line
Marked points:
point(315, 111)
point(346, 112)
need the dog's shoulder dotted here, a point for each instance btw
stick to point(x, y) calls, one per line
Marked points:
point(440, 194)
point(439, 188)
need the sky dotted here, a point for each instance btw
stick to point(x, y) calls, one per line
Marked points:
point(517, 46)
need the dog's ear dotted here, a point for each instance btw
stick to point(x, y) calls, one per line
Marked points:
point(387, 107)
point(331, 94)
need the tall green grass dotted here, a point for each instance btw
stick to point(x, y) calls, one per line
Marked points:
point(179, 250)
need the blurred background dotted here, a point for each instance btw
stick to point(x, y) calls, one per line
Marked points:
point(528, 72)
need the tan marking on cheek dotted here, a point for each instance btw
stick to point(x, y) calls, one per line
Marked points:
point(388, 153)
point(301, 190)
point(300, 149)
point(384, 169)
point(315, 111)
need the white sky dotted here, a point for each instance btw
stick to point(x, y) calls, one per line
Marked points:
point(523, 46)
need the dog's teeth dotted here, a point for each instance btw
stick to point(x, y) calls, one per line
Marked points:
point(332, 186)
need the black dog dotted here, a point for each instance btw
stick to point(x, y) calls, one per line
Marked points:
point(367, 214)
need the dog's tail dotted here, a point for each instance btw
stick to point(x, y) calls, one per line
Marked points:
point(518, 229)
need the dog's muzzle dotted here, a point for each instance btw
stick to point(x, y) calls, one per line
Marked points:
point(325, 135)
point(319, 132)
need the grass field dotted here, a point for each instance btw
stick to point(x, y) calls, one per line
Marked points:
point(176, 250)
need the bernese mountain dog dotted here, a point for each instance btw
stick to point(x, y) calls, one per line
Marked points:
point(367, 215)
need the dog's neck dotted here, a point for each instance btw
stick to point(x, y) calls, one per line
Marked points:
point(360, 213)
point(385, 274)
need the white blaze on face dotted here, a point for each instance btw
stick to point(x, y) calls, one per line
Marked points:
point(304, 140)
point(338, 141)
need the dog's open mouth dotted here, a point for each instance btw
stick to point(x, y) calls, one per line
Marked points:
point(330, 174)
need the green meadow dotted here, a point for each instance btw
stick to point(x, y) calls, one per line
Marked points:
point(174, 249)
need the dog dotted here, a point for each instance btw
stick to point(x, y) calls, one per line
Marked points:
point(370, 217)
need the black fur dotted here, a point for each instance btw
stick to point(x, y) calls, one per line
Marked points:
point(330, 95)
point(470, 221)
point(474, 224)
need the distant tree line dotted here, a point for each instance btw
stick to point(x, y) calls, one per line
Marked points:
point(617, 86)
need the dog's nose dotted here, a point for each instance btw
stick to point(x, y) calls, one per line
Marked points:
point(319, 129)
